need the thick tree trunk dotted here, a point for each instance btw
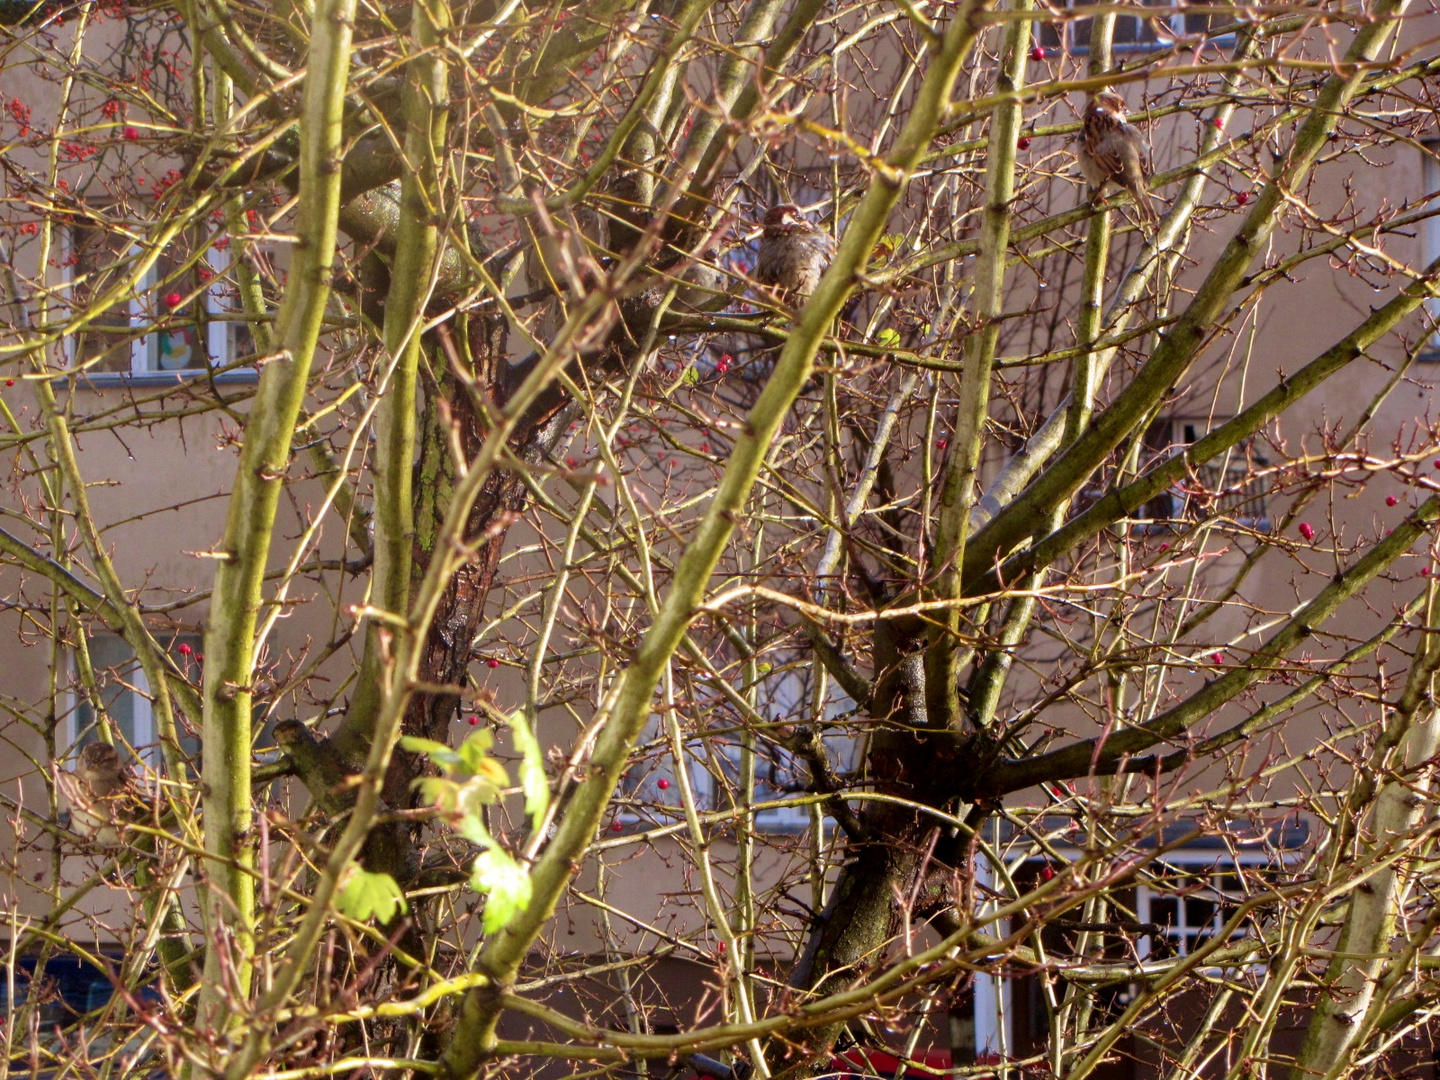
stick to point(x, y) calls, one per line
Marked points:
point(894, 862)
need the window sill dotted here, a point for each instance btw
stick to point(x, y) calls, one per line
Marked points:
point(104, 380)
point(1223, 42)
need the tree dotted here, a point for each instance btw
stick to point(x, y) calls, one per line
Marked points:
point(906, 553)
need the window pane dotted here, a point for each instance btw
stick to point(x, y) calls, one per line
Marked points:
point(1157, 27)
point(99, 259)
point(183, 299)
point(124, 693)
point(176, 303)
point(1200, 913)
point(116, 670)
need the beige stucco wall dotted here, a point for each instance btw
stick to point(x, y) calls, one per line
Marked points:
point(137, 477)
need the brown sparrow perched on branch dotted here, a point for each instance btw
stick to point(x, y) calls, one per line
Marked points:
point(102, 794)
point(794, 254)
point(1112, 149)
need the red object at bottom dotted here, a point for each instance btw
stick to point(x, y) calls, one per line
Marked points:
point(871, 1063)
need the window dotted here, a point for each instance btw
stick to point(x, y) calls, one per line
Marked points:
point(181, 315)
point(70, 987)
point(1187, 897)
point(652, 796)
point(1164, 26)
point(1181, 899)
point(779, 775)
point(1234, 485)
point(125, 697)
point(1430, 242)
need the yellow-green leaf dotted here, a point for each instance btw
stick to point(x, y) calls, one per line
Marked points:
point(475, 752)
point(442, 755)
point(505, 885)
point(533, 780)
point(364, 896)
point(438, 791)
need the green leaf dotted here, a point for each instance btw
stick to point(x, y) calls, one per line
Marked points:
point(437, 752)
point(475, 751)
point(505, 885)
point(364, 896)
point(438, 791)
point(533, 780)
point(471, 798)
point(417, 745)
point(888, 338)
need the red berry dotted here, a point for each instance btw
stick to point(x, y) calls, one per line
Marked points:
point(616, 826)
point(662, 784)
point(1164, 547)
point(1307, 530)
point(721, 947)
point(941, 444)
point(1391, 500)
point(9, 382)
point(1047, 872)
point(570, 462)
point(492, 662)
point(1218, 657)
point(185, 649)
point(131, 134)
point(1241, 198)
point(1023, 143)
point(173, 300)
point(1037, 53)
point(1437, 463)
point(473, 721)
point(1218, 123)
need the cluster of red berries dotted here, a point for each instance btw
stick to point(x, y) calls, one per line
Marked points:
point(20, 113)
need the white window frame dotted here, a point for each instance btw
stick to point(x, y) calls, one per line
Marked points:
point(145, 347)
point(1176, 23)
point(1215, 862)
point(1186, 430)
point(143, 737)
point(994, 1011)
point(785, 701)
point(779, 819)
point(1219, 859)
point(646, 790)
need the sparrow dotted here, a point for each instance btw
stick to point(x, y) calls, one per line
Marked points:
point(1112, 149)
point(794, 254)
point(102, 794)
